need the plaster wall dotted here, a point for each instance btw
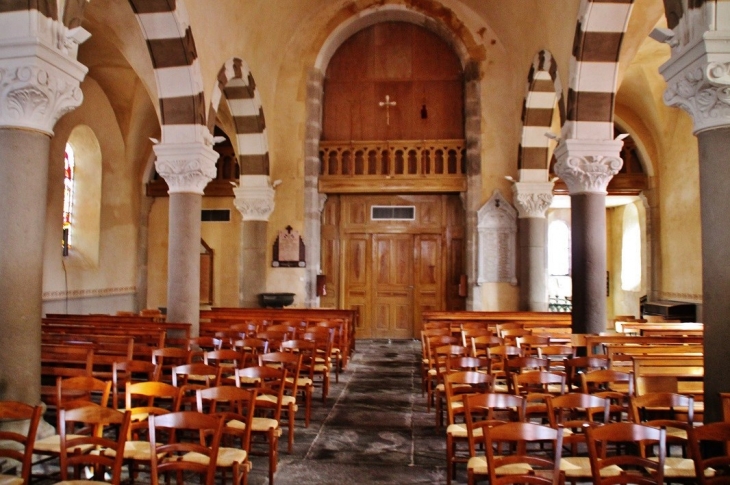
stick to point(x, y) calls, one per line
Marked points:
point(225, 240)
point(114, 272)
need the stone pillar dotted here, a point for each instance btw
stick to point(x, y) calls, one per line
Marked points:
point(587, 167)
point(187, 168)
point(472, 199)
point(532, 196)
point(255, 202)
point(698, 81)
point(312, 199)
point(39, 84)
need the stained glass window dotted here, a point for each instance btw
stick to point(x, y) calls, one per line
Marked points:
point(68, 196)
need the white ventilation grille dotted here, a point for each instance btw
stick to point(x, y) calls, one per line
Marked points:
point(393, 213)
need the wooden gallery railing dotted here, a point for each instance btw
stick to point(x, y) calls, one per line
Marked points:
point(429, 165)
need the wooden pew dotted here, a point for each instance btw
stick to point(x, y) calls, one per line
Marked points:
point(108, 349)
point(596, 344)
point(656, 329)
point(219, 319)
point(669, 373)
point(622, 356)
point(63, 360)
point(175, 333)
point(530, 320)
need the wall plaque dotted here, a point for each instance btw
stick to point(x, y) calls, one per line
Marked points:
point(497, 225)
point(288, 250)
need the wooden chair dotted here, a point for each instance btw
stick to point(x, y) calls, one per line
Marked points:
point(432, 371)
point(576, 366)
point(517, 365)
point(22, 451)
point(457, 386)
point(339, 343)
point(145, 399)
point(273, 338)
point(323, 340)
point(480, 345)
point(468, 333)
point(498, 356)
point(481, 411)
point(556, 355)
point(229, 336)
point(537, 387)
point(443, 354)
point(129, 371)
point(97, 450)
point(168, 357)
point(575, 412)
point(236, 406)
point(71, 393)
point(613, 384)
point(725, 398)
point(292, 363)
point(199, 345)
point(523, 465)
point(626, 468)
point(250, 348)
point(532, 343)
point(510, 334)
point(709, 445)
point(426, 334)
point(269, 383)
point(191, 377)
point(181, 456)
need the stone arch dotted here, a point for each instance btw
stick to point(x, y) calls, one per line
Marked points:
point(236, 84)
point(594, 68)
point(169, 37)
point(544, 93)
point(444, 23)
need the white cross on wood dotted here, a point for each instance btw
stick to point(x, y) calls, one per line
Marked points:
point(387, 104)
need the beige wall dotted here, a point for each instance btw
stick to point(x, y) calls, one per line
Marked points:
point(113, 272)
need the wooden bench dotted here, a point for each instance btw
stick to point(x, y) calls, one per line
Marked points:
point(530, 320)
point(671, 373)
point(108, 349)
point(655, 329)
point(137, 327)
point(63, 360)
point(621, 357)
point(597, 344)
point(221, 319)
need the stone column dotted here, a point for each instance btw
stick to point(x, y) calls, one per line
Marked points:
point(187, 168)
point(39, 83)
point(698, 81)
point(255, 201)
point(587, 167)
point(312, 199)
point(533, 199)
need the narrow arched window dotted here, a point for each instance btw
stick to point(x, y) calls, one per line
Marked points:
point(558, 249)
point(68, 196)
point(631, 250)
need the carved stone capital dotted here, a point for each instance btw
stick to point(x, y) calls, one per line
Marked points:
point(39, 73)
point(186, 167)
point(698, 80)
point(587, 166)
point(532, 199)
point(254, 197)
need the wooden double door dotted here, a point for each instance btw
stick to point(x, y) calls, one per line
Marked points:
point(393, 269)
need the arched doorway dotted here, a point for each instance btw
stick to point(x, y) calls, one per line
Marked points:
point(393, 163)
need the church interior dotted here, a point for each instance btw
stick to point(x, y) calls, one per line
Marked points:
point(392, 157)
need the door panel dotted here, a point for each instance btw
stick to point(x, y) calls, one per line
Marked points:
point(356, 279)
point(393, 288)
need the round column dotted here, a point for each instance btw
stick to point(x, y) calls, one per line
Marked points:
point(587, 167)
point(39, 84)
point(187, 168)
point(532, 200)
point(255, 202)
point(698, 80)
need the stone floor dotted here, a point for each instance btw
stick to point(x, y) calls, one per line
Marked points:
point(373, 429)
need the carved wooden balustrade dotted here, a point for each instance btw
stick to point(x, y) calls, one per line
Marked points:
point(393, 166)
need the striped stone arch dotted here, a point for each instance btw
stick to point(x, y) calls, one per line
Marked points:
point(166, 29)
point(544, 93)
point(237, 86)
point(594, 68)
